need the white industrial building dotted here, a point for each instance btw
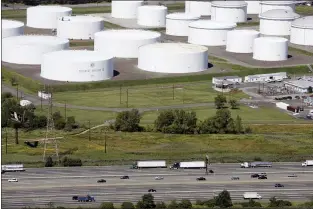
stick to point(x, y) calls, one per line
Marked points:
point(199, 8)
point(270, 5)
point(173, 58)
point(177, 24)
point(11, 28)
point(301, 85)
point(266, 77)
point(209, 33)
point(28, 50)
point(241, 41)
point(76, 66)
point(124, 43)
point(46, 17)
point(302, 31)
point(79, 27)
point(277, 22)
point(253, 7)
point(231, 79)
point(270, 49)
point(125, 9)
point(229, 11)
point(152, 16)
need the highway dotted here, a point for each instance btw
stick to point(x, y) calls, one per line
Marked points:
point(39, 186)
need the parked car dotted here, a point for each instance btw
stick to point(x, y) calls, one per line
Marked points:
point(262, 177)
point(279, 185)
point(292, 175)
point(255, 175)
point(101, 181)
point(235, 178)
point(158, 178)
point(151, 190)
point(125, 177)
point(13, 180)
point(201, 179)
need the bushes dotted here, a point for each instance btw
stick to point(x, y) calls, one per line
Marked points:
point(49, 162)
point(127, 205)
point(107, 205)
point(71, 162)
point(128, 121)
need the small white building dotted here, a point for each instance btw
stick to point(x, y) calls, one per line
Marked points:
point(266, 77)
point(44, 95)
point(300, 86)
point(232, 79)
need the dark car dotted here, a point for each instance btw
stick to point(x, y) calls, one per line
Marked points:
point(101, 181)
point(74, 197)
point(211, 171)
point(279, 185)
point(255, 175)
point(201, 179)
point(292, 175)
point(262, 177)
point(235, 178)
point(151, 190)
point(125, 177)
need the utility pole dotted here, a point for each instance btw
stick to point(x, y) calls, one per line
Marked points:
point(41, 100)
point(6, 140)
point(89, 130)
point(183, 95)
point(127, 98)
point(206, 164)
point(17, 91)
point(120, 94)
point(173, 92)
point(65, 111)
point(105, 141)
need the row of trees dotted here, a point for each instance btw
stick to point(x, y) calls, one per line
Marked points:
point(37, 2)
point(66, 162)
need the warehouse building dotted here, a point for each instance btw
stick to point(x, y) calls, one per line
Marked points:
point(300, 86)
point(266, 77)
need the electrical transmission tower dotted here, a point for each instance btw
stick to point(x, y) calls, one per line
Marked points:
point(50, 138)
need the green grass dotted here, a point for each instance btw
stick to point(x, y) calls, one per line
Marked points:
point(304, 10)
point(300, 51)
point(216, 59)
point(74, 43)
point(247, 24)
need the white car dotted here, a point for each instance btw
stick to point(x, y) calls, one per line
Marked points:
point(158, 178)
point(13, 180)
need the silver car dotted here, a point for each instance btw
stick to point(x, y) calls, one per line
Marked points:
point(158, 178)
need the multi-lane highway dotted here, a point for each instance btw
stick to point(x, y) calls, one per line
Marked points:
point(57, 185)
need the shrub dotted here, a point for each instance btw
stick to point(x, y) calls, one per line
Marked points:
point(127, 205)
point(68, 162)
point(49, 162)
point(251, 204)
point(210, 203)
point(160, 205)
point(185, 204)
point(107, 205)
point(128, 121)
point(199, 202)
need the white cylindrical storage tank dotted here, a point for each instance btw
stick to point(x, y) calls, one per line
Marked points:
point(79, 27)
point(12, 28)
point(76, 66)
point(209, 33)
point(46, 17)
point(177, 24)
point(125, 9)
point(199, 8)
point(270, 5)
point(229, 11)
point(277, 22)
point(253, 7)
point(173, 58)
point(124, 43)
point(241, 41)
point(28, 50)
point(152, 16)
point(270, 49)
point(302, 31)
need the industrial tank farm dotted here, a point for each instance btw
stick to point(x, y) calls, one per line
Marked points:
point(46, 17)
point(173, 58)
point(277, 22)
point(209, 33)
point(76, 66)
point(229, 11)
point(79, 27)
point(29, 49)
point(152, 16)
point(270, 5)
point(177, 24)
point(270, 49)
point(200, 8)
point(253, 7)
point(12, 28)
point(241, 41)
point(302, 31)
point(125, 9)
point(124, 43)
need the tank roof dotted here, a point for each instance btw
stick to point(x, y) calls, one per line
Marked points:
point(210, 24)
point(51, 8)
point(182, 16)
point(11, 24)
point(229, 3)
point(128, 34)
point(36, 40)
point(179, 48)
point(277, 2)
point(280, 14)
point(77, 55)
point(244, 31)
point(304, 22)
point(153, 7)
point(81, 18)
point(272, 39)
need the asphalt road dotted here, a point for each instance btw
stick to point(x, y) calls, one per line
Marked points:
point(39, 186)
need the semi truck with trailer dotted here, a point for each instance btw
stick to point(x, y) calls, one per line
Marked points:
point(256, 165)
point(307, 163)
point(87, 198)
point(149, 164)
point(189, 165)
point(12, 168)
point(251, 195)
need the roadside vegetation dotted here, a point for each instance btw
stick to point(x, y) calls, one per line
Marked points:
point(300, 51)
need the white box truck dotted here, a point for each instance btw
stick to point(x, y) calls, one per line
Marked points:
point(307, 163)
point(256, 165)
point(149, 164)
point(12, 168)
point(189, 165)
point(251, 195)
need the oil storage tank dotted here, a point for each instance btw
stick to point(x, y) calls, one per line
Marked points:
point(270, 49)
point(177, 24)
point(152, 16)
point(173, 58)
point(76, 66)
point(270, 5)
point(12, 28)
point(253, 7)
point(28, 49)
point(241, 41)
point(124, 43)
point(229, 11)
point(125, 9)
point(277, 22)
point(46, 17)
point(79, 27)
point(209, 33)
point(302, 31)
point(199, 8)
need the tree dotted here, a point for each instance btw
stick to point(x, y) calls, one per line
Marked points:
point(238, 125)
point(165, 119)
point(233, 104)
point(173, 205)
point(59, 124)
point(127, 205)
point(185, 204)
point(107, 205)
point(49, 162)
point(210, 203)
point(220, 101)
point(223, 200)
point(148, 201)
point(310, 90)
point(274, 203)
point(160, 205)
point(251, 204)
point(128, 121)
point(222, 120)
point(140, 205)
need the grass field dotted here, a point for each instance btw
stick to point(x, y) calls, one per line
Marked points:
point(300, 51)
point(304, 10)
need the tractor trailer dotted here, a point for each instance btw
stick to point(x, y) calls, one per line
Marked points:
point(256, 165)
point(307, 163)
point(12, 168)
point(149, 164)
point(189, 165)
point(251, 195)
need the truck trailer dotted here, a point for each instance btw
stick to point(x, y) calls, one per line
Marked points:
point(307, 163)
point(251, 195)
point(12, 168)
point(87, 198)
point(256, 165)
point(189, 165)
point(149, 164)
